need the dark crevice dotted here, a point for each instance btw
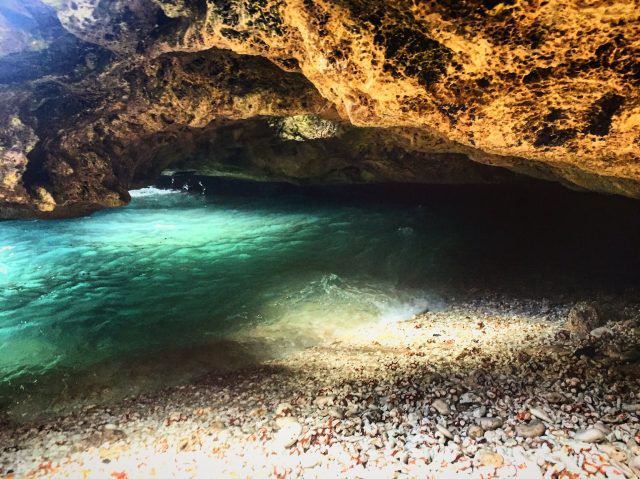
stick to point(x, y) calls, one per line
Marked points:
point(602, 114)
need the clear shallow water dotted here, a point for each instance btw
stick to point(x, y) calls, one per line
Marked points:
point(179, 284)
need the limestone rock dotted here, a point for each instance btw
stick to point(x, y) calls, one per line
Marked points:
point(96, 100)
point(583, 318)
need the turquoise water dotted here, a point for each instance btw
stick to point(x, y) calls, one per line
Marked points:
point(179, 284)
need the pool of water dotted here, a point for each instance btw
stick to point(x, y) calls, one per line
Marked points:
point(178, 284)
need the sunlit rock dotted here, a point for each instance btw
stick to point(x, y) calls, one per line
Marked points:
point(100, 97)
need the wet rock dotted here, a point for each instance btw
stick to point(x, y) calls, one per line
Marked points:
point(533, 429)
point(583, 318)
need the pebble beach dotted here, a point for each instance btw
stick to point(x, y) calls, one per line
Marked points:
point(480, 389)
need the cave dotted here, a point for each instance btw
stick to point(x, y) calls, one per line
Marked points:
point(318, 239)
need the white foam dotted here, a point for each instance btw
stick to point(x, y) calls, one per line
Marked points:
point(151, 191)
point(403, 311)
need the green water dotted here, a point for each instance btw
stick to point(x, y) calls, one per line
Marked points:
point(179, 284)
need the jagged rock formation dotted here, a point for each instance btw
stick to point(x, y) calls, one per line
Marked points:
point(99, 96)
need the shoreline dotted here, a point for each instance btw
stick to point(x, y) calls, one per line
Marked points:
point(465, 391)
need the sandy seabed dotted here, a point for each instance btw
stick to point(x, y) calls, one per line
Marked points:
point(479, 390)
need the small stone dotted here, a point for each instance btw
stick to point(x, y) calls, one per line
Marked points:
point(631, 407)
point(444, 431)
point(540, 414)
point(633, 446)
point(590, 435)
point(599, 332)
point(217, 426)
point(490, 423)
point(606, 430)
point(583, 318)
point(283, 409)
point(441, 406)
point(555, 397)
point(531, 430)
point(284, 420)
point(336, 412)
point(490, 458)
point(479, 412)
point(469, 398)
point(323, 401)
point(111, 433)
point(475, 431)
point(614, 451)
point(377, 443)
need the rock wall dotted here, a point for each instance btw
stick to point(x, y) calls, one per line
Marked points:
point(99, 96)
